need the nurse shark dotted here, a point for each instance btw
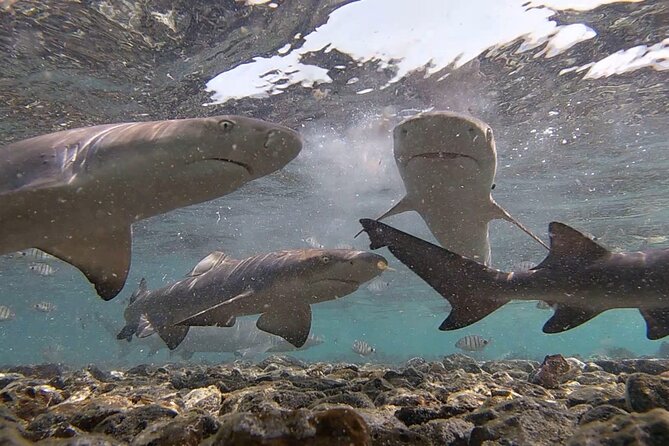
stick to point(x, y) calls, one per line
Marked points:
point(75, 193)
point(579, 279)
point(447, 162)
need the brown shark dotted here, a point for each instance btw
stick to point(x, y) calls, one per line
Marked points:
point(280, 286)
point(579, 278)
point(75, 194)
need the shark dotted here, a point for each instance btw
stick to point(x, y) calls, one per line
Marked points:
point(244, 340)
point(280, 286)
point(579, 279)
point(448, 162)
point(76, 193)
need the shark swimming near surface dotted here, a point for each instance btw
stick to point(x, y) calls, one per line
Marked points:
point(75, 194)
point(579, 279)
point(447, 162)
point(281, 286)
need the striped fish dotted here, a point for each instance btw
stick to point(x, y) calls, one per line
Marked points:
point(472, 343)
point(45, 307)
point(6, 313)
point(378, 286)
point(362, 348)
point(34, 254)
point(43, 269)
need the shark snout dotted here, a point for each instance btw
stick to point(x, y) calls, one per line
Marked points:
point(283, 143)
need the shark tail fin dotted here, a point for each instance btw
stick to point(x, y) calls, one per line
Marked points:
point(131, 327)
point(459, 280)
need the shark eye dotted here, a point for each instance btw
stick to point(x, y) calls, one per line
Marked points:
point(325, 259)
point(488, 134)
point(226, 125)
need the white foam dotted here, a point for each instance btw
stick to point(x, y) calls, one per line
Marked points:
point(425, 35)
point(642, 56)
point(576, 5)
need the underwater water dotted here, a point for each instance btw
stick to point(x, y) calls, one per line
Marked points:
point(577, 96)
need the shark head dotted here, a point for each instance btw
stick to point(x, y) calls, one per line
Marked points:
point(455, 147)
point(328, 274)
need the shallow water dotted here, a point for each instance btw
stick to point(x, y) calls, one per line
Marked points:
point(588, 152)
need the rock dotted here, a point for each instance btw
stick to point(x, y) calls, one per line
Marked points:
point(10, 434)
point(459, 361)
point(207, 399)
point(595, 396)
point(386, 429)
point(600, 413)
point(50, 425)
point(510, 365)
point(405, 397)
point(27, 401)
point(649, 366)
point(645, 392)
point(90, 415)
point(420, 415)
point(376, 386)
point(124, 426)
point(519, 420)
point(8, 378)
point(179, 431)
point(354, 399)
point(596, 378)
point(42, 371)
point(282, 361)
point(452, 432)
point(552, 372)
point(332, 427)
point(645, 429)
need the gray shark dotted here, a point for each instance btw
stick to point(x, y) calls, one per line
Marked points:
point(579, 279)
point(280, 286)
point(75, 194)
point(447, 162)
point(244, 339)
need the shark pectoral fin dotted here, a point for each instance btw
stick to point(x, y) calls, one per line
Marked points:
point(566, 317)
point(104, 258)
point(400, 207)
point(657, 322)
point(499, 212)
point(291, 322)
point(468, 311)
point(173, 335)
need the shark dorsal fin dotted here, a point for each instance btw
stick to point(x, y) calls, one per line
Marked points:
point(570, 247)
point(213, 260)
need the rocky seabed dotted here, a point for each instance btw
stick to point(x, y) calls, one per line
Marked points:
point(283, 401)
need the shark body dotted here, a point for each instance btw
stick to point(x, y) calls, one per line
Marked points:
point(75, 193)
point(447, 162)
point(281, 286)
point(579, 279)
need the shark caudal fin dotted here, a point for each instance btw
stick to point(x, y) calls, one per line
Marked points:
point(465, 283)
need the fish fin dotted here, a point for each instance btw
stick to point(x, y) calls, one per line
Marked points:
point(569, 248)
point(141, 290)
point(144, 328)
point(219, 315)
point(456, 278)
point(400, 207)
point(499, 212)
point(291, 322)
point(104, 257)
point(567, 317)
point(127, 332)
point(657, 322)
point(213, 260)
point(173, 335)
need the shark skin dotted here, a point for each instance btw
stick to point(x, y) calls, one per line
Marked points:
point(579, 279)
point(448, 162)
point(281, 286)
point(75, 194)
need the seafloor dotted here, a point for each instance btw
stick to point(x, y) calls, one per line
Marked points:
point(283, 401)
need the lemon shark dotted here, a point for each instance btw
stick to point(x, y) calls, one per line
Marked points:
point(75, 194)
point(447, 162)
point(579, 279)
point(281, 286)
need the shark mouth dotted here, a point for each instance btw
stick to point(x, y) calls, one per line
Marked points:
point(247, 167)
point(441, 156)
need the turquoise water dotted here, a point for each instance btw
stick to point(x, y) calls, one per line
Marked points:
point(601, 166)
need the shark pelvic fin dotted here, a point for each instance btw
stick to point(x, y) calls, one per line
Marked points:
point(144, 328)
point(499, 212)
point(458, 279)
point(570, 248)
point(213, 260)
point(657, 322)
point(567, 317)
point(103, 257)
point(292, 322)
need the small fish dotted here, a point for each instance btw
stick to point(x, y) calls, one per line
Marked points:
point(542, 305)
point(6, 313)
point(311, 241)
point(378, 286)
point(362, 348)
point(44, 307)
point(343, 246)
point(34, 254)
point(43, 269)
point(472, 343)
